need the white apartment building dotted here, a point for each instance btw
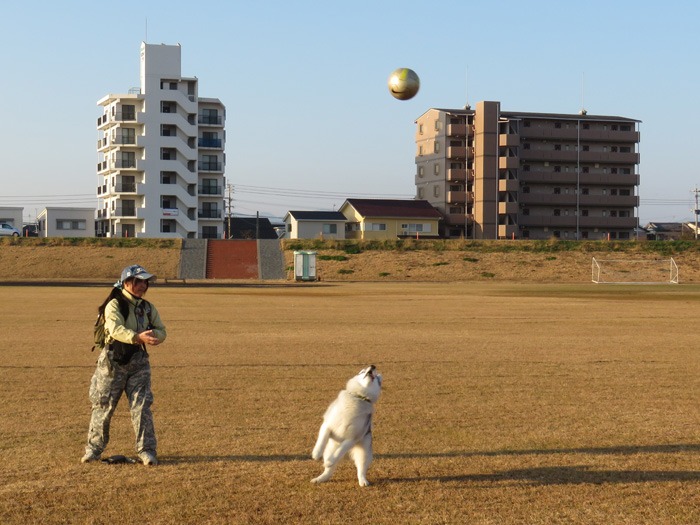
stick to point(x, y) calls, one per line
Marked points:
point(161, 155)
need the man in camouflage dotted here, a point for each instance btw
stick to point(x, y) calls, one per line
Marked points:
point(130, 373)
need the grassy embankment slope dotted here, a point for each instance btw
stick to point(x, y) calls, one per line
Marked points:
point(396, 260)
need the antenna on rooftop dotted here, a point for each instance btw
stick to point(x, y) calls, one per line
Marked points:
point(466, 89)
point(583, 106)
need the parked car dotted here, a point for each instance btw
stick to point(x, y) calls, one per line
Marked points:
point(30, 230)
point(6, 229)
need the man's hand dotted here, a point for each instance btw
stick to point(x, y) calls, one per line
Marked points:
point(147, 337)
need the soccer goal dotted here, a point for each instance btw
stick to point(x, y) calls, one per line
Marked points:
point(634, 271)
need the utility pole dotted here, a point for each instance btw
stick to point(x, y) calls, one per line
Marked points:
point(229, 209)
point(696, 211)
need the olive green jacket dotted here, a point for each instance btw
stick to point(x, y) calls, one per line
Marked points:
point(126, 332)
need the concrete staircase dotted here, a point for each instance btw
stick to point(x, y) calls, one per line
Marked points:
point(231, 259)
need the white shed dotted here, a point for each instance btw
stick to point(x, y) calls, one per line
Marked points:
point(67, 222)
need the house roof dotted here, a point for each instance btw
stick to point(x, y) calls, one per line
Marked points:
point(394, 208)
point(664, 226)
point(317, 215)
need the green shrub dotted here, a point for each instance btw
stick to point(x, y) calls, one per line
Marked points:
point(332, 258)
point(344, 271)
point(440, 263)
point(488, 274)
point(470, 259)
point(384, 274)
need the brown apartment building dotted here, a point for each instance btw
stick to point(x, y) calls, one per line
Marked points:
point(513, 175)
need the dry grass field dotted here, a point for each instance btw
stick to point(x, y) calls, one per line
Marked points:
point(503, 403)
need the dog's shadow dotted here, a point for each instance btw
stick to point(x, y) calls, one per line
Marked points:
point(557, 475)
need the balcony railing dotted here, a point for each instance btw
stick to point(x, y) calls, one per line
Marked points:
point(122, 116)
point(126, 187)
point(210, 166)
point(209, 143)
point(210, 190)
point(125, 211)
point(125, 163)
point(209, 214)
point(209, 119)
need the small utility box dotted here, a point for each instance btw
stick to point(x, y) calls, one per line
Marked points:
point(305, 266)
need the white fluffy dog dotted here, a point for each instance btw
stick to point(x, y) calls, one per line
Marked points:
point(347, 426)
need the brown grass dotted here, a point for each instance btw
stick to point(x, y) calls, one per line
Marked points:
point(503, 403)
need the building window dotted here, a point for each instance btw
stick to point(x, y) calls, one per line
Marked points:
point(556, 212)
point(584, 191)
point(557, 147)
point(557, 169)
point(436, 191)
point(209, 187)
point(210, 116)
point(210, 163)
point(526, 145)
point(586, 125)
point(585, 148)
point(168, 154)
point(70, 224)
point(557, 191)
point(168, 177)
point(584, 169)
point(526, 167)
point(437, 169)
point(526, 211)
point(420, 193)
point(168, 202)
point(625, 192)
point(415, 228)
point(420, 129)
point(613, 170)
point(209, 232)
point(375, 226)
point(436, 147)
point(526, 189)
point(557, 125)
point(420, 151)
point(331, 229)
point(584, 213)
point(128, 112)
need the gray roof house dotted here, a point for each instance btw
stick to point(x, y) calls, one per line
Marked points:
point(314, 225)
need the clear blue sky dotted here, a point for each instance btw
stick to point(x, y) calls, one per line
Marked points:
point(309, 118)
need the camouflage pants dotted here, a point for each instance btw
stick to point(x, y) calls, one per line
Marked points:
point(108, 382)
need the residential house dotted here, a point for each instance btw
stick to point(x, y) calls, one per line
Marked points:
point(390, 219)
point(66, 222)
point(12, 215)
point(666, 231)
point(314, 225)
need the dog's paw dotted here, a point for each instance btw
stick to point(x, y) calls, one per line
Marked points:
point(364, 483)
point(318, 480)
point(316, 455)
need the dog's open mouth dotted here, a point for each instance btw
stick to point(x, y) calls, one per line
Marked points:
point(370, 371)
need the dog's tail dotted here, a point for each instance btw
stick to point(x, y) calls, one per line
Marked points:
point(323, 436)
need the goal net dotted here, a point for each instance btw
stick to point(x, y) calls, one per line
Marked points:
point(634, 271)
